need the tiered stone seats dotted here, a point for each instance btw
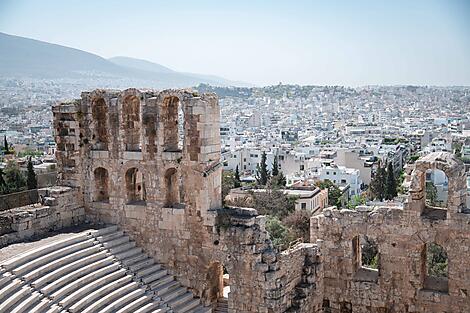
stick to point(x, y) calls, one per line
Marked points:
point(93, 271)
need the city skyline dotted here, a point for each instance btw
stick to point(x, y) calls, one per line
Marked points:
point(365, 43)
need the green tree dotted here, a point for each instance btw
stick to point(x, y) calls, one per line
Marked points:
point(237, 182)
point(31, 180)
point(436, 260)
point(274, 202)
point(5, 145)
point(3, 184)
point(391, 184)
point(279, 233)
point(377, 185)
point(431, 193)
point(227, 183)
point(13, 177)
point(355, 201)
point(334, 193)
point(262, 173)
point(369, 253)
point(275, 170)
point(298, 223)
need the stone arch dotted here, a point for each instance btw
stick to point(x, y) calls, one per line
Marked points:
point(170, 119)
point(99, 112)
point(131, 123)
point(454, 169)
point(101, 193)
point(172, 190)
point(135, 186)
point(217, 288)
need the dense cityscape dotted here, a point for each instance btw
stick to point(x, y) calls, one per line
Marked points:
point(234, 156)
point(315, 133)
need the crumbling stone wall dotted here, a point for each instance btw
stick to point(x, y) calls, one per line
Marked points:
point(173, 209)
point(58, 209)
point(401, 283)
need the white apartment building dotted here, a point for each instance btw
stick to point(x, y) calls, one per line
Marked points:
point(342, 176)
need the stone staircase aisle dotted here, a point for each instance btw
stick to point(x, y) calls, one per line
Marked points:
point(93, 271)
point(222, 306)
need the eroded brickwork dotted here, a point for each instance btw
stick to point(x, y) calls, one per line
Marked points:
point(401, 283)
point(121, 149)
point(130, 169)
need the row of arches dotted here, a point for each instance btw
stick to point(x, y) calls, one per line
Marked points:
point(171, 115)
point(135, 186)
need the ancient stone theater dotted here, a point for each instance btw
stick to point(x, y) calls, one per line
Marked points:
point(136, 224)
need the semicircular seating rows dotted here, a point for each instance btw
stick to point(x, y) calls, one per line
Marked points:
point(90, 272)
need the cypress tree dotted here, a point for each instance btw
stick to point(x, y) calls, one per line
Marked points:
point(237, 182)
point(5, 144)
point(262, 173)
point(31, 180)
point(377, 184)
point(3, 184)
point(275, 170)
point(391, 185)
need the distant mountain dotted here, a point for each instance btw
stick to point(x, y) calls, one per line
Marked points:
point(140, 65)
point(24, 57)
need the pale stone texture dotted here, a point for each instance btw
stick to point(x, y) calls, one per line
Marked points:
point(401, 234)
point(120, 163)
point(169, 200)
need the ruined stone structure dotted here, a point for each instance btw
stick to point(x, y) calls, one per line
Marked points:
point(401, 282)
point(123, 161)
point(120, 149)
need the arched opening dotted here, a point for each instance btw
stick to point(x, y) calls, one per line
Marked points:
point(436, 186)
point(172, 196)
point(135, 185)
point(101, 185)
point(365, 258)
point(172, 118)
point(435, 268)
point(218, 289)
point(131, 123)
point(99, 112)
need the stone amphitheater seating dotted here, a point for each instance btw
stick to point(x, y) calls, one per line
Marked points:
point(92, 271)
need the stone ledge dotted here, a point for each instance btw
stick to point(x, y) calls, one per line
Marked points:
point(368, 275)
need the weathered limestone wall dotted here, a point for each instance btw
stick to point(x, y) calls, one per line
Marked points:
point(120, 148)
point(18, 199)
point(59, 209)
point(402, 234)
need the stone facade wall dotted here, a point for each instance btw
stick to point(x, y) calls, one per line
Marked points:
point(125, 159)
point(58, 209)
point(18, 199)
point(400, 284)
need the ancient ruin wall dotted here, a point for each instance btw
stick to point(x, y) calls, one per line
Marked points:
point(401, 283)
point(121, 149)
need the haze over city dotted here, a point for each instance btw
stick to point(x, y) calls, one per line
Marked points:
point(348, 43)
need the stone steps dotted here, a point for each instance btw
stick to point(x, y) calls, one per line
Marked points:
point(93, 271)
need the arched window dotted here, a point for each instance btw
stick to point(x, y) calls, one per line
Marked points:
point(172, 196)
point(135, 185)
point(131, 123)
point(435, 268)
point(172, 118)
point(99, 112)
point(436, 187)
point(101, 185)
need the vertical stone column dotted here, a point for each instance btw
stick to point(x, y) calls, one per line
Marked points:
point(67, 117)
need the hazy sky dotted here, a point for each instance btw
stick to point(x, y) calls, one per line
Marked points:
point(352, 43)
